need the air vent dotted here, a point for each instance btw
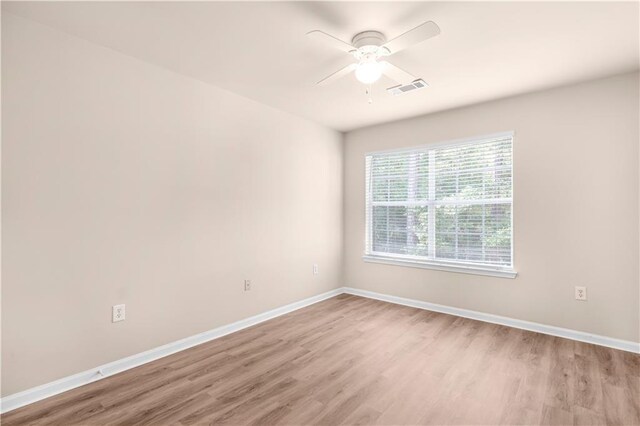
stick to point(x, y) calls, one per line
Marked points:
point(404, 88)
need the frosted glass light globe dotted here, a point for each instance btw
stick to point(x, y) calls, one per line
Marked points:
point(368, 72)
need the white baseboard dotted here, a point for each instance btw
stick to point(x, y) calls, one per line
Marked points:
point(17, 400)
point(580, 336)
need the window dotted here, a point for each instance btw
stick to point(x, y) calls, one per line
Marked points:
point(447, 206)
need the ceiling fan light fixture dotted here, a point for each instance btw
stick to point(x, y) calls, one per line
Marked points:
point(367, 47)
point(368, 72)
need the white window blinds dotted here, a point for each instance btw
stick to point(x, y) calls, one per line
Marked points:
point(449, 204)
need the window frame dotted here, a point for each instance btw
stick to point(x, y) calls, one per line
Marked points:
point(438, 264)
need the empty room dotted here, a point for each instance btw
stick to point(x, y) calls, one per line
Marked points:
point(320, 213)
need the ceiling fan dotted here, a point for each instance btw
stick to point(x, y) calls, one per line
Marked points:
point(369, 47)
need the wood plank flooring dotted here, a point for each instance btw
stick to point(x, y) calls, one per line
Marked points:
point(351, 360)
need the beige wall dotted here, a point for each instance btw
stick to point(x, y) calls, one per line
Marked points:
point(126, 183)
point(575, 208)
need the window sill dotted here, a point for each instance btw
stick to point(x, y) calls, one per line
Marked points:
point(438, 266)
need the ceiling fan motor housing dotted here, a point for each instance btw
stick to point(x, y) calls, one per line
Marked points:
point(369, 43)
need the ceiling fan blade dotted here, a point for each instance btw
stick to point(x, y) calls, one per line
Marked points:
point(330, 40)
point(396, 74)
point(420, 33)
point(338, 74)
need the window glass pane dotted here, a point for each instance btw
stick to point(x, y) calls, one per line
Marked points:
point(472, 172)
point(474, 233)
point(400, 230)
point(400, 177)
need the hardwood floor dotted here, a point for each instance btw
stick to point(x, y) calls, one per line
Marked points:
point(351, 360)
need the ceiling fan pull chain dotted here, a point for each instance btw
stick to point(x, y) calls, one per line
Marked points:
point(368, 93)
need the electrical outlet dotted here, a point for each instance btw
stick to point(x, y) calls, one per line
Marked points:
point(315, 269)
point(117, 313)
point(247, 285)
point(581, 293)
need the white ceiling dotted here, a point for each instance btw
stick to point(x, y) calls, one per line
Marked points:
point(486, 50)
